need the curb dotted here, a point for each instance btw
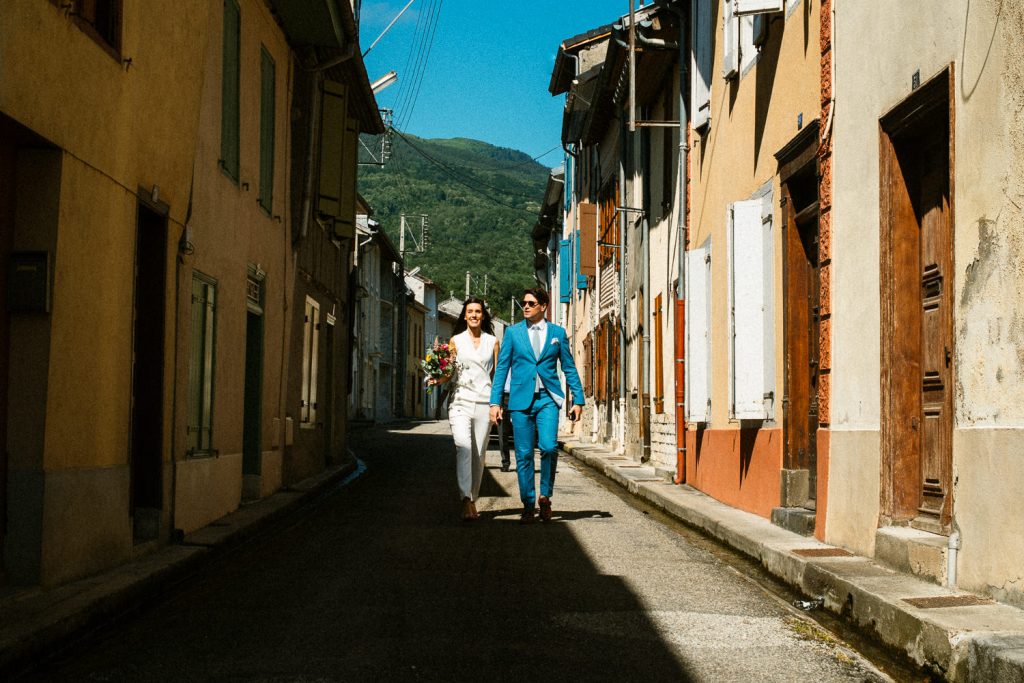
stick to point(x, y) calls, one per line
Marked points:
point(39, 622)
point(984, 642)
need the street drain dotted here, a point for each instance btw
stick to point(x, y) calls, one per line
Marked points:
point(821, 552)
point(937, 601)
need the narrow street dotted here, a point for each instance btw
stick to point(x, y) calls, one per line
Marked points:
point(379, 580)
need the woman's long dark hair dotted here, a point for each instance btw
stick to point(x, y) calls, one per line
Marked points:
point(485, 324)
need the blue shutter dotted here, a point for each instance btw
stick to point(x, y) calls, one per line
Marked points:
point(564, 270)
point(581, 279)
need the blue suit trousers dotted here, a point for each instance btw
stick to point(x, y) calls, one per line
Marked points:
point(537, 426)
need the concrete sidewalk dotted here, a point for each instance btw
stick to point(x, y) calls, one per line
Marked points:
point(980, 640)
point(37, 621)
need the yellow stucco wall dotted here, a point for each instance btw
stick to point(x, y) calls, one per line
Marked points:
point(753, 116)
point(230, 232)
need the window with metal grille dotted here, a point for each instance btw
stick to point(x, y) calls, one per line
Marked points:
point(201, 365)
point(310, 348)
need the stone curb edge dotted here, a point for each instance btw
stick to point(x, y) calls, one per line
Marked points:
point(955, 654)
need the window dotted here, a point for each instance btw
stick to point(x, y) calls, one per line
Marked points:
point(659, 368)
point(267, 101)
point(229, 89)
point(698, 334)
point(310, 348)
point(201, 365)
point(100, 19)
point(744, 29)
point(751, 302)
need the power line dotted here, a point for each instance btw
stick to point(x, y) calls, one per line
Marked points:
point(426, 60)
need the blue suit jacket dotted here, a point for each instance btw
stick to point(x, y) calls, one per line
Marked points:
point(518, 358)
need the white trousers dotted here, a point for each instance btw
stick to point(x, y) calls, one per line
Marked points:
point(471, 425)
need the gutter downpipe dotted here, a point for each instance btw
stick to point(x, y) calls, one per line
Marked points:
point(622, 288)
point(684, 165)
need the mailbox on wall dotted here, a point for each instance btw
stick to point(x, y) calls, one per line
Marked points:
point(28, 282)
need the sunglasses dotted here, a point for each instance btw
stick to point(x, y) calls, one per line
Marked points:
point(530, 304)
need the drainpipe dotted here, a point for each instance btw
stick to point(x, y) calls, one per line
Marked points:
point(645, 236)
point(684, 165)
point(622, 287)
point(952, 546)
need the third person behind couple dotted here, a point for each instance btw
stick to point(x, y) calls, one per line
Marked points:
point(531, 354)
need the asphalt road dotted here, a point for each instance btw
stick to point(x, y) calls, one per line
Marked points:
point(380, 580)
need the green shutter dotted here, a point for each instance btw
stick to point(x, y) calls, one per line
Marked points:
point(334, 115)
point(229, 121)
point(267, 74)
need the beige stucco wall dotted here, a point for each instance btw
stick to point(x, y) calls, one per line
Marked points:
point(876, 55)
point(752, 117)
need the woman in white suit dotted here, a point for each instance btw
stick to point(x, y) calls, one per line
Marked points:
point(475, 349)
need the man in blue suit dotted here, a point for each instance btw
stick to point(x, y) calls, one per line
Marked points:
point(531, 351)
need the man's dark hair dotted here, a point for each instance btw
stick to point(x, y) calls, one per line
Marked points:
point(540, 294)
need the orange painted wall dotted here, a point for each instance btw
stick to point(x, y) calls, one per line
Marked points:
point(740, 467)
point(821, 507)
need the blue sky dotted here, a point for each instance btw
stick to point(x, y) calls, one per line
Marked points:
point(488, 70)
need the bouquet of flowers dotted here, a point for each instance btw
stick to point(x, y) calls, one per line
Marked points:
point(439, 363)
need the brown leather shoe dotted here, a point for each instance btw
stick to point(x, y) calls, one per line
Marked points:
point(529, 516)
point(545, 508)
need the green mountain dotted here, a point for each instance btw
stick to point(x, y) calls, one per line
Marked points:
point(481, 202)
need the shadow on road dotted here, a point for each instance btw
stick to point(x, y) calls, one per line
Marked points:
point(383, 581)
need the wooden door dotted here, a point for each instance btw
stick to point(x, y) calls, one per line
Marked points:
point(917, 319)
point(802, 328)
point(936, 419)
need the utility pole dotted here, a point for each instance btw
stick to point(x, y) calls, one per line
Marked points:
point(401, 241)
point(467, 284)
point(632, 68)
point(485, 284)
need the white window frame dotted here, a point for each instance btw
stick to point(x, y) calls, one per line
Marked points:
point(310, 353)
point(742, 8)
point(698, 334)
point(730, 42)
point(751, 308)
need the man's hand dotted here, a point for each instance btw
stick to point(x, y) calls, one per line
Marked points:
point(576, 412)
point(495, 414)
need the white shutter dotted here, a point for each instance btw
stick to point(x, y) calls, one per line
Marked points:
point(698, 333)
point(744, 7)
point(730, 42)
point(768, 287)
point(747, 275)
point(702, 62)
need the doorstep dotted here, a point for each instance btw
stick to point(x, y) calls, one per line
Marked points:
point(959, 635)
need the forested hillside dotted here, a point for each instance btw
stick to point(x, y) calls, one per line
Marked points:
point(481, 201)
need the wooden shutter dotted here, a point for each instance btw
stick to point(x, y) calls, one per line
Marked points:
point(267, 106)
point(588, 365)
point(744, 7)
point(588, 238)
point(334, 120)
point(747, 279)
point(565, 268)
point(659, 368)
point(229, 95)
point(730, 41)
point(345, 222)
point(702, 61)
point(698, 334)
